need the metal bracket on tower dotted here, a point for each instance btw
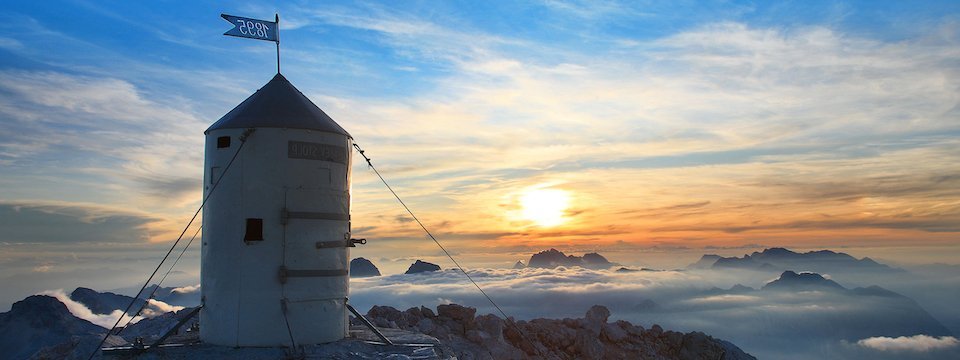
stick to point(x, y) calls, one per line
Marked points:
point(340, 243)
point(286, 215)
point(287, 273)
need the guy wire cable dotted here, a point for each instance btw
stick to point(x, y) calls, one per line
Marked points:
point(154, 292)
point(505, 317)
point(243, 140)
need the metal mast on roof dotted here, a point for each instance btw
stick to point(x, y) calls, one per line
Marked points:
point(256, 29)
point(277, 18)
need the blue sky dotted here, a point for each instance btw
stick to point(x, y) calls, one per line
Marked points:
point(672, 125)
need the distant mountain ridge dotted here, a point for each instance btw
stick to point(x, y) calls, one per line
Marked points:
point(107, 302)
point(781, 259)
point(880, 312)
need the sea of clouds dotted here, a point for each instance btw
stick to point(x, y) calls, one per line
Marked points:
point(767, 324)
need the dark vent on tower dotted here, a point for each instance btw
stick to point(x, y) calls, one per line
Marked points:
point(254, 230)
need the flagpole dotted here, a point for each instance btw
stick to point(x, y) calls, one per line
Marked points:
point(277, 17)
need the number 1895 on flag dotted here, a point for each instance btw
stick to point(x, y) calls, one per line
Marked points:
point(252, 28)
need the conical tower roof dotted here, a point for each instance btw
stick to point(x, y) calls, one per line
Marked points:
point(278, 104)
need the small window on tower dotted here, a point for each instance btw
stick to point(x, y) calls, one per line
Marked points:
point(254, 230)
point(223, 142)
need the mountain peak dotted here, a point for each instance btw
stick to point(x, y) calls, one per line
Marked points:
point(361, 267)
point(705, 262)
point(39, 305)
point(422, 266)
point(790, 280)
point(778, 251)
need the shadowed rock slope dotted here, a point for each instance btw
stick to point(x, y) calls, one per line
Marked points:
point(41, 321)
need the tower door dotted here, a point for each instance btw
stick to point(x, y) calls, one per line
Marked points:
point(316, 259)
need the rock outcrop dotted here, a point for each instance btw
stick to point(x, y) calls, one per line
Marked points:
point(361, 267)
point(422, 266)
point(590, 337)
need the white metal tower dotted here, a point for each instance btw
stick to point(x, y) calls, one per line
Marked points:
point(276, 232)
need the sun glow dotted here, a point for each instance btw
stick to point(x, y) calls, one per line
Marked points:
point(545, 207)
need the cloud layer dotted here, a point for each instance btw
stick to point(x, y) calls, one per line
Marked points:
point(920, 343)
point(792, 324)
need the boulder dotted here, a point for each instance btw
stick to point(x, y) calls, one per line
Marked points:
point(595, 318)
point(493, 325)
point(588, 346)
point(425, 326)
point(614, 333)
point(655, 330)
point(478, 337)
point(427, 312)
point(457, 312)
point(387, 313)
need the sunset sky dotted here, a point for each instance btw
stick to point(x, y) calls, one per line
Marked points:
point(651, 132)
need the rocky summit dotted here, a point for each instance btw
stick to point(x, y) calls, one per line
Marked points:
point(41, 327)
point(591, 337)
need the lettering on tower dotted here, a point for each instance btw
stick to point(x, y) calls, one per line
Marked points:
point(315, 151)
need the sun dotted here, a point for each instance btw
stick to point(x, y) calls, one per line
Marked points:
point(545, 207)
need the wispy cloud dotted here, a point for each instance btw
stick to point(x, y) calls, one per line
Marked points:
point(920, 343)
point(108, 320)
point(59, 222)
point(729, 81)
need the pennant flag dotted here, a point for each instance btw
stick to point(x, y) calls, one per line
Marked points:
point(253, 28)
